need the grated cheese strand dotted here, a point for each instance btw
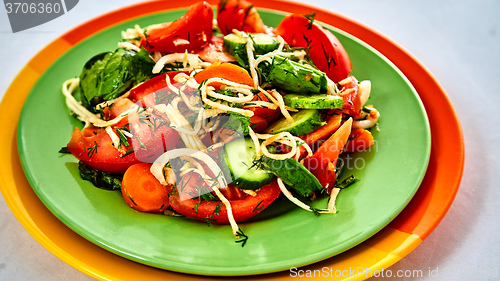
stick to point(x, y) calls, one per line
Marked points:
point(82, 113)
point(230, 217)
point(331, 209)
point(305, 145)
point(192, 60)
point(240, 88)
point(279, 138)
point(251, 62)
point(114, 137)
point(225, 108)
point(282, 106)
point(256, 142)
point(128, 46)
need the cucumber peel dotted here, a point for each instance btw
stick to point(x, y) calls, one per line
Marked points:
point(305, 121)
point(240, 157)
point(295, 77)
point(236, 45)
point(316, 101)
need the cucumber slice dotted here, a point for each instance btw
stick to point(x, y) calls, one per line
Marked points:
point(236, 45)
point(295, 77)
point(305, 121)
point(240, 155)
point(262, 43)
point(317, 101)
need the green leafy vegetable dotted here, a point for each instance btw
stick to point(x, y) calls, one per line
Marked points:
point(108, 75)
point(294, 175)
point(103, 180)
point(237, 122)
point(64, 150)
point(346, 182)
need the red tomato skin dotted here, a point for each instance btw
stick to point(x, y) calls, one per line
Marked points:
point(242, 209)
point(105, 157)
point(270, 115)
point(144, 93)
point(189, 32)
point(109, 159)
point(258, 124)
point(240, 15)
point(117, 108)
point(360, 139)
point(352, 101)
point(214, 51)
point(326, 51)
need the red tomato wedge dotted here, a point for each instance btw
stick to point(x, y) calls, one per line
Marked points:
point(258, 124)
point(189, 32)
point(325, 50)
point(145, 92)
point(215, 52)
point(349, 91)
point(240, 15)
point(270, 115)
point(360, 139)
point(216, 212)
point(95, 148)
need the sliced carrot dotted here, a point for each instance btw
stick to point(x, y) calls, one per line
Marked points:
point(332, 124)
point(227, 71)
point(360, 139)
point(142, 191)
point(322, 162)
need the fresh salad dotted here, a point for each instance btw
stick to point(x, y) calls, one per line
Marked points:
point(215, 115)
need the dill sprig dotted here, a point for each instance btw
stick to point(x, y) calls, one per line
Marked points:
point(242, 237)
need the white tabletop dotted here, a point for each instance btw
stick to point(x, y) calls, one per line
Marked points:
point(458, 41)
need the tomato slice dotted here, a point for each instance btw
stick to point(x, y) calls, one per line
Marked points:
point(145, 92)
point(360, 139)
point(117, 108)
point(216, 212)
point(270, 115)
point(215, 52)
point(94, 147)
point(240, 15)
point(189, 32)
point(325, 50)
point(350, 95)
point(258, 124)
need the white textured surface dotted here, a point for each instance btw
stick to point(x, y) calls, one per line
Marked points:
point(457, 40)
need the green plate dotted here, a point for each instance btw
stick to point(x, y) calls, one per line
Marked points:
point(280, 237)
